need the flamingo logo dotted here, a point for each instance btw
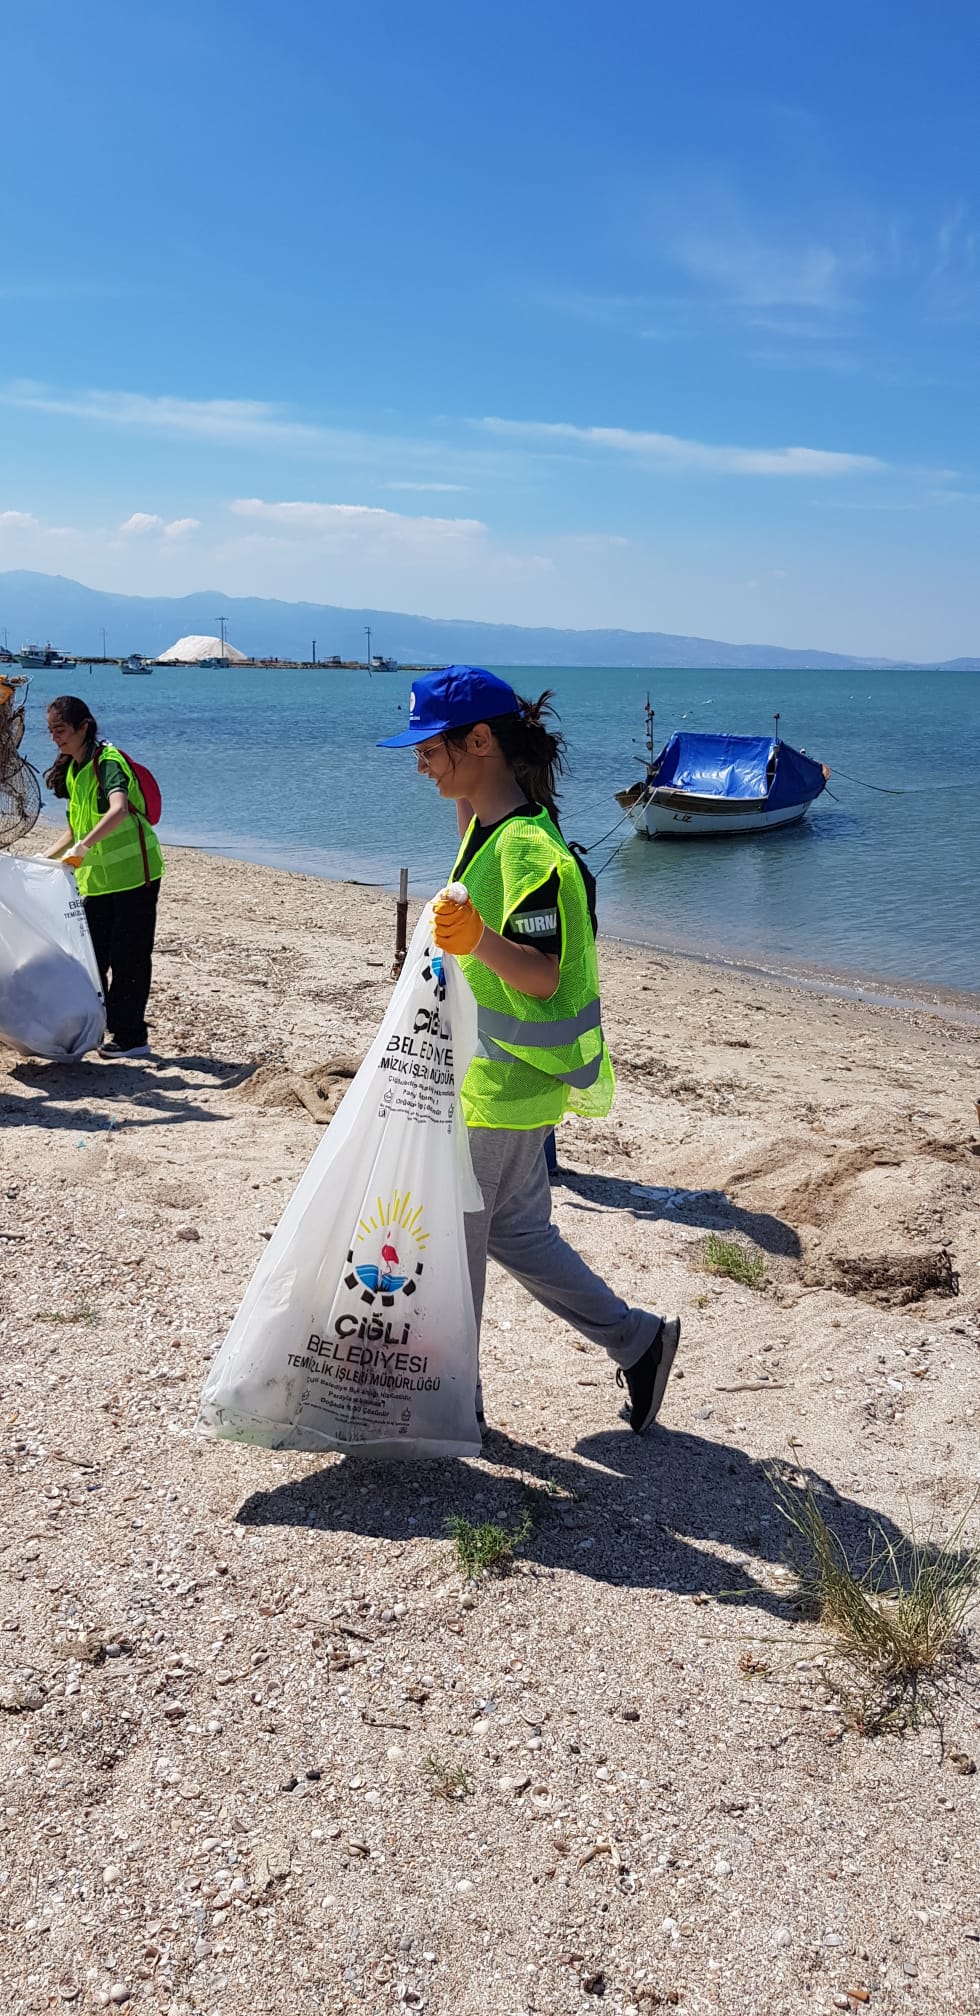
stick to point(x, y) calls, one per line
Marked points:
point(397, 1267)
point(389, 1261)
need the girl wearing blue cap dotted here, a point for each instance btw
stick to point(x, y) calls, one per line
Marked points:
point(524, 940)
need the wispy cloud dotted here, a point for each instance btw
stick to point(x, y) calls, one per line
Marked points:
point(753, 273)
point(226, 420)
point(346, 521)
point(670, 451)
point(425, 486)
point(957, 242)
point(143, 524)
point(262, 425)
point(809, 357)
point(18, 521)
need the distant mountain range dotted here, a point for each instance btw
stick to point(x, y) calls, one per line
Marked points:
point(38, 607)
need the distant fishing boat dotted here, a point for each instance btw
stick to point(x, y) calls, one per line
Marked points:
point(718, 785)
point(44, 657)
point(135, 666)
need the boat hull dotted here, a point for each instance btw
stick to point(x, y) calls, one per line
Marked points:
point(673, 815)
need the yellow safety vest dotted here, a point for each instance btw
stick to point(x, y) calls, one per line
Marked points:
point(536, 1060)
point(126, 859)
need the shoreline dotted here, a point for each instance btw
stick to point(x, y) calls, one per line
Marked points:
point(877, 990)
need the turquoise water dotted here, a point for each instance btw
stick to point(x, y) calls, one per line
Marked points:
point(281, 767)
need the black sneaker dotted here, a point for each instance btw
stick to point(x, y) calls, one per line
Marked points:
point(646, 1381)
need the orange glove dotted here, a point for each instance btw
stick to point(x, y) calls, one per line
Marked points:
point(74, 857)
point(457, 926)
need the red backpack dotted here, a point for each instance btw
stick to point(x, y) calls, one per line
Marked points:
point(152, 797)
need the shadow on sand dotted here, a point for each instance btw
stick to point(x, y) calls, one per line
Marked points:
point(711, 1209)
point(631, 1512)
point(81, 1096)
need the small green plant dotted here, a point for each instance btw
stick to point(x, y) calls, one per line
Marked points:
point(729, 1256)
point(446, 1781)
point(896, 1624)
point(486, 1549)
point(66, 1316)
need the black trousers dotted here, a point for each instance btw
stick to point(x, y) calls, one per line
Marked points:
point(123, 927)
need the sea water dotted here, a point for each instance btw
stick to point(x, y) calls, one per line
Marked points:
point(882, 876)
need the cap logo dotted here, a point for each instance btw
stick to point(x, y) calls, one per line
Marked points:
point(412, 706)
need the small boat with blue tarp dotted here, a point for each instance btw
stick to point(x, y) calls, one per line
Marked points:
point(718, 785)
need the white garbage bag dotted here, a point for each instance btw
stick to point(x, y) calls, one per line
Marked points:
point(357, 1332)
point(50, 994)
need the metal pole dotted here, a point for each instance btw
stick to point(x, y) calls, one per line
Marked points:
point(314, 650)
point(103, 644)
point(367, 632)
point(401, 923)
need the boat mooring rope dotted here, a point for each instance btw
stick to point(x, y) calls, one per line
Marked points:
point(603, 837)
point(887, 790)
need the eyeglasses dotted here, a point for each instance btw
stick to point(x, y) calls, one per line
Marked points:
point(425, 754)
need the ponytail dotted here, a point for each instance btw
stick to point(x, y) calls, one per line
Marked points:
point(535, 752)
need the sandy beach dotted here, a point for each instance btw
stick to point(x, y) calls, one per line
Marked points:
point(264, 1749)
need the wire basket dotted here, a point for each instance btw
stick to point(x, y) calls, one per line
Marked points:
point(20, 787)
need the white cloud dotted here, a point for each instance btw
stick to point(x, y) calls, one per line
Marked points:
point(355, 521)
point(955, 241)
point(143, 523)
point(670, 451)
point(226, 420)
point(425, 486)
point(259, 426)
point(14, 521)
point(755, 274)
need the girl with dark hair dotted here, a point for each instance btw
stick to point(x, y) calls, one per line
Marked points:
point(111, 845)
point(520, 928)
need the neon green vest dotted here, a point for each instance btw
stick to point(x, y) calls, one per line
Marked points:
point(127, 858)
point(536, 1060)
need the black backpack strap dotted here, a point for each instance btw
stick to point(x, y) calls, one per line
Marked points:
point(578, 853)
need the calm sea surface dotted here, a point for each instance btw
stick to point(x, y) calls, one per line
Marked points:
point(281, 767)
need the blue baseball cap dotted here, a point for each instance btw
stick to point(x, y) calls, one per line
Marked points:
point(453, 698)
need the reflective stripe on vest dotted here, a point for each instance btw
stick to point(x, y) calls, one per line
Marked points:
point(126, 859)
point(539, 1035)
point(586, 1074)
point(536, 1060)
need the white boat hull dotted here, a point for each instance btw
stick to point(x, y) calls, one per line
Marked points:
point(676, 815)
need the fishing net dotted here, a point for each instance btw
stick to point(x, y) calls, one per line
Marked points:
point(20, 789)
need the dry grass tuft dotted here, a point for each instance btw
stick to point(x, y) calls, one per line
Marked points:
point(446, 1781)
point(897, 1625)
point(730, 1257)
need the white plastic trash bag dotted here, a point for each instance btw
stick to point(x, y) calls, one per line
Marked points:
point(50, 995)
point(357, 1331)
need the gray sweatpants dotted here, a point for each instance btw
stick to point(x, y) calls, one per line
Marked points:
point(516, 1230)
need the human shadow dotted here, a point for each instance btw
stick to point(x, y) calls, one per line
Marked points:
point(76, 1096)
point(711, 1209)
point(632, 1513)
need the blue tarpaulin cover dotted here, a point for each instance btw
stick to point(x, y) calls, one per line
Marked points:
point(738, 766)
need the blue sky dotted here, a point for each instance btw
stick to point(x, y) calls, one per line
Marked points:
point(563, 313)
